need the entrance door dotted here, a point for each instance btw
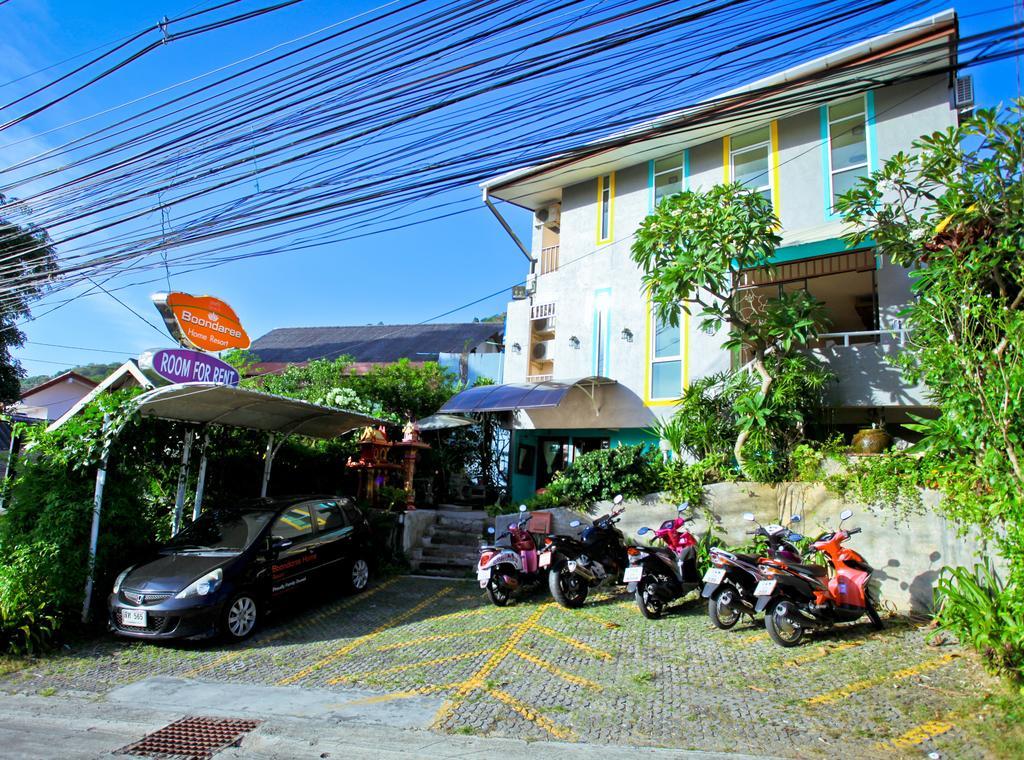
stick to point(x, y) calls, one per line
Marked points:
point(552, 458)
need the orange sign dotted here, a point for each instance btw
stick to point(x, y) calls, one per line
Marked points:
point(201, 322)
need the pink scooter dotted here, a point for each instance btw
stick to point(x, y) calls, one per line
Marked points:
point(660, 574)
point(505, 571)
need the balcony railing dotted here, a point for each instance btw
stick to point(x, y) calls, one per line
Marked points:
point(538, 378)
point(846, 339)
point(549, 259)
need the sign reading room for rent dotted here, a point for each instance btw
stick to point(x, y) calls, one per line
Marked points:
point(182, 365)
point(201, 322)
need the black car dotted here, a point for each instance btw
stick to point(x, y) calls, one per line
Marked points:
point(223, 572)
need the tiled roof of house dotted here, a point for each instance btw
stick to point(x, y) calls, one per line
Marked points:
point(372, 343)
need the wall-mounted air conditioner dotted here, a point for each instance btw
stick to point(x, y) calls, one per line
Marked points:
point(542, 350)
point(550, 216)
point(547, 324)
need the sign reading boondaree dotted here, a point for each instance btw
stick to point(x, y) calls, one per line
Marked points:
point(182, 365)
point(201, 322)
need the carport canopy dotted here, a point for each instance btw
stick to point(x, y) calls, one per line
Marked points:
point(213, 404)
point(512, 396)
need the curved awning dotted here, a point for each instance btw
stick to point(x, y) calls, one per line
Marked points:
point(211, 403)
point(512, 396)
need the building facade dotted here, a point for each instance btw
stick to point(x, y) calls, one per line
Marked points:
point(801, 137)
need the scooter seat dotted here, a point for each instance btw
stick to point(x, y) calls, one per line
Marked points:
point(815, 570)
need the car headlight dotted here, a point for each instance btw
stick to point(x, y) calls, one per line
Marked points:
point(202, 587)
point(120, 579)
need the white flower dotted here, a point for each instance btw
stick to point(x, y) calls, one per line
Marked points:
point(918, 234)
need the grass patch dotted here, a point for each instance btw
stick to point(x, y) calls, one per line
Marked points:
point(465, 730)
point(996, 722)
point(49, 691)
point(11, 664)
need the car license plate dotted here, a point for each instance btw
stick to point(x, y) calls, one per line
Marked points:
point(714, 575)
point(764, 588)
point(544, 560)
point(633, 574)
point(136, 618)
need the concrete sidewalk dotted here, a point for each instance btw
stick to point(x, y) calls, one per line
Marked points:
point(72, 727)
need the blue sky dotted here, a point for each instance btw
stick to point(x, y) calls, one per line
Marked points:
point(402, 276)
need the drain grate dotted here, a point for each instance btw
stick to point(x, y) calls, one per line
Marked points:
point(195, 738)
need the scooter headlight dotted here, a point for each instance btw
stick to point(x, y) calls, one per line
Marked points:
point(202, 587)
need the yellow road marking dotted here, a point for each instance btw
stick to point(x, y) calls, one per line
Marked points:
point(337, 654)
point(478, 678)
point(853, 688)
point(572, 642)
point(410, 666)
point(530, 714)
point(748, 640)
point(917, 735)
point(293, 628)
point(443, 637)
point(824, 651)
point(418, 692)
point(578, 680)
point(595, 618)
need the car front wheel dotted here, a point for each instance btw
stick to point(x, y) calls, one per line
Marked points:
point(240, 616)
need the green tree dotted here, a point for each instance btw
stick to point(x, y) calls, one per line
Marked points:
point(27, 255)
point(694, 249)
point(953, 211)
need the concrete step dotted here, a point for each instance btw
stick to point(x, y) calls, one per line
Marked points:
point(435, 535)
point(466, 549)
point(463, 523)
point(443, 557)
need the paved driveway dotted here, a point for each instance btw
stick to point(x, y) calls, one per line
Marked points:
point(433, 653)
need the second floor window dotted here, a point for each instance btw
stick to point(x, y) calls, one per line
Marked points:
point(605, 206)
point(749, 160)
point(666, 360)
point(847, 146)
point(668, 176)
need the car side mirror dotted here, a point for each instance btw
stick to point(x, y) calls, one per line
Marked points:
point(748, 516)
point(277, 543)
point(575, 524)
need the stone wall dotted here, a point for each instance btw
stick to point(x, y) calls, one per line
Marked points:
point(907, 556)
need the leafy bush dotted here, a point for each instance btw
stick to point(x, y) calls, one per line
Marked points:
point(685, 482)
point(889, 484)
point(980, 609)
point(632, 471)
point(704, 423)
point(29, 613)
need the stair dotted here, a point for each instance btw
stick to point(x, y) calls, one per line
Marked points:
point(450, 547)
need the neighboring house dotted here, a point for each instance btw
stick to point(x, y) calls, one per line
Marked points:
point(801, 137)
point(128, 375)
point(470, 349)
point(50, 400)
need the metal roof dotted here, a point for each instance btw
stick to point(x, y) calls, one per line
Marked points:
point(210, 403)
point(511, 396)
point(372, 343)
point(911, 51)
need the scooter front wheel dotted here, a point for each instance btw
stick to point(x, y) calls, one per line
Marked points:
point(499, 595)
point(568, 589)
point(783, 631)
point(650, 605)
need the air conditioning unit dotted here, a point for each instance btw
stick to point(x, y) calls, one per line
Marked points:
point(550, 216)
point(542, 350)
point(965, 93)
point(547, 324)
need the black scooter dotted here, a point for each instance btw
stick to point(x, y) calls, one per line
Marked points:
point(578, 564)
point(730, 581)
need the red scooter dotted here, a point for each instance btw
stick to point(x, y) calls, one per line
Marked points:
point(658, 575)
point(506, 572)
point(796, 598)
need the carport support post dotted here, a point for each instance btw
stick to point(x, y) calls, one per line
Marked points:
point(94, 535)
point(201, 484)
point(267, 464)
point(179, 501)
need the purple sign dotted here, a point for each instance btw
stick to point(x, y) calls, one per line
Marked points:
point(180, 365)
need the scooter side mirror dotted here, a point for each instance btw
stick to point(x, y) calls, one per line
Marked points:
point(491, 530)
point(617, 500)
point(795, 519)
point(846, 514)
point(575, 524)
point(643, 531)
point(522, 507)
point(748, 516)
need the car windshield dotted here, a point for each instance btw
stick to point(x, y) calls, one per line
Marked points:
point(220, 530)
